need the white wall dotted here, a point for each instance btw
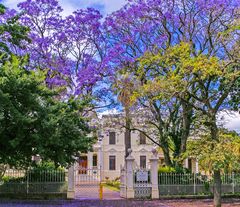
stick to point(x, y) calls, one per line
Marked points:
point(119, 151)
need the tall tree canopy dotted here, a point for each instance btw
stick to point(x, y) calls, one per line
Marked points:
point(33, 120)
point(188, 68)
point(70, 48)
point(149, 26)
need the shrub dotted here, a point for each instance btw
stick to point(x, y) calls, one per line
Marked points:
point(44, 172)
point(114, 183)
point(10, 179)
point(166, 170)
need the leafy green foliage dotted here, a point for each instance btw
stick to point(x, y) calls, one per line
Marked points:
point(222, 154)
point(12, 33)
point(168, 169)
point(114, 183)
point(33, 121)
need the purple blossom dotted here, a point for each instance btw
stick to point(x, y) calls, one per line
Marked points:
point(82, 50)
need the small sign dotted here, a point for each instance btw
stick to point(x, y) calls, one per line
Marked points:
point(142, 176)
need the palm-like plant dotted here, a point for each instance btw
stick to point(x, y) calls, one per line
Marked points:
point(125, 88)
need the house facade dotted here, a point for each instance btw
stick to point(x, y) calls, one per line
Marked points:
point(108, 153)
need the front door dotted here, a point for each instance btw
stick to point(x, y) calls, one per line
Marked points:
point(83, 164)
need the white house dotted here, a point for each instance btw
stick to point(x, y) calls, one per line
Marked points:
point(109, 152)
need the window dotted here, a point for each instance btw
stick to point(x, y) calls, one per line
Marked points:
point(143, 161)
point(112, 138)
point(142, 138)
point(94, 161)
point(190, 164)
point(112, 162)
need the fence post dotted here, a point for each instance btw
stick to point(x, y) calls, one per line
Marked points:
point(123, 182)
point(130, 174)
point(154, 174)
point(27, 172)
point(194, 183)
point(71, 183)
point(233, 183)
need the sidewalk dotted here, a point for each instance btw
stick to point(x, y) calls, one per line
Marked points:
point(121, 203)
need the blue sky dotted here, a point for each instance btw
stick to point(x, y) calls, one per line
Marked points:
point(105, 6)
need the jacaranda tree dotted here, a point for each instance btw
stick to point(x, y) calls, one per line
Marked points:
point(70, 48)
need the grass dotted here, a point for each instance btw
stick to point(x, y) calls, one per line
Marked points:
point(110, 187)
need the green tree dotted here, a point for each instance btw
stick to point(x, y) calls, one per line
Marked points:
point(34, 122)
point(206, 79)
point(223, 155)
point(13, 34)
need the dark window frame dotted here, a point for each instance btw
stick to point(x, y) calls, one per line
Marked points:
point(144, 164)
point(142, 138)
point(94, 161)
point(112, 138)
point(112, 162)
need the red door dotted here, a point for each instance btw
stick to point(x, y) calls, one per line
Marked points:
point(83, 165)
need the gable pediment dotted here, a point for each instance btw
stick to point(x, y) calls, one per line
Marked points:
point(112, 150)
point(143, 150)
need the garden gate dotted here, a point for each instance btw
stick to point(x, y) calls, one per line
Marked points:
point(87, 182)
point(83, 183)
point(142, 183)
point(137, 182)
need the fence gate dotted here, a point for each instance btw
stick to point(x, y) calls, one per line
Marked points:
point(142, 183)
point(87, 183)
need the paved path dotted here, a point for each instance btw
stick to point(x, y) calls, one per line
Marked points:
point(120, 203)
point(88, 192)
point(110, 194)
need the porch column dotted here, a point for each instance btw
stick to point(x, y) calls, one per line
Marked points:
point(90, 160)
point(71, 183)
point(98, 149)
point(129, 165)
point(197, 167)
point(186, 163)
point(154, 174)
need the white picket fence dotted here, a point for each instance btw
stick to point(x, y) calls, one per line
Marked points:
point(33, 182)
point(195, 184)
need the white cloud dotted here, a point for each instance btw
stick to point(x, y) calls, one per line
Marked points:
point(68, 8)
point(230, 120)
point(12, 4)
point(109, 5)
point(106, 6)
point(234, 122)
point(108, 112)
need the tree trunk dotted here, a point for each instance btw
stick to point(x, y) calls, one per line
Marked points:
point(167, 158)
point(216, 173)
point(187, 119)
point(127, 132)
point(217, 188)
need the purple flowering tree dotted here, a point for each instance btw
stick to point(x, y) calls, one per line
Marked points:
point(154, 26)
point(70, 48)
